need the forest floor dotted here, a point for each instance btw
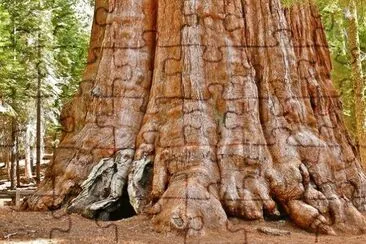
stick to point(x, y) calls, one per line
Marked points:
point(57, 227)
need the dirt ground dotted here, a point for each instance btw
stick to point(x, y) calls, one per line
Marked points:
point(57, 227)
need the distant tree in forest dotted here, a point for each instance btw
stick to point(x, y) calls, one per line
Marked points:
point(42, 56)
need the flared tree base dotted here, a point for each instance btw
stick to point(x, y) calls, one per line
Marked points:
point(204, 110)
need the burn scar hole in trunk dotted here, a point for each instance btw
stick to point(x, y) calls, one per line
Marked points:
point(114, 190)
point(146, 179)
point(121, 210)
point(141, 180)
point(283, 215)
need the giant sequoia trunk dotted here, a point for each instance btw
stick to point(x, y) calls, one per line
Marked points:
point(200, 110)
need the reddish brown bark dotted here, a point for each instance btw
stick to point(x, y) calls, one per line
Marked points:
point(233, 103)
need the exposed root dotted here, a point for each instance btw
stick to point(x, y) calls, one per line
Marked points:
point(189, 207)
point(309, 218)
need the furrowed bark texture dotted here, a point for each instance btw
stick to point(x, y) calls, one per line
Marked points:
point(232, 104)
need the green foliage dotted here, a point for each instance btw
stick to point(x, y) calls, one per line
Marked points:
point(334, 22)
point(46, 41)
point(72, 42)
point(12, 69)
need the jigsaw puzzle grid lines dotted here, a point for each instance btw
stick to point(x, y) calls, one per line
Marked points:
point(108, 97)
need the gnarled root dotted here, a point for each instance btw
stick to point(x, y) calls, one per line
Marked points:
point(308, 217)
point(244, 191)
point(189, 205)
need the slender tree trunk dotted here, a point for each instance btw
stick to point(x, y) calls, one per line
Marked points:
point(7, 145)
point(14, 126)
point(205, 110)
point(8, 160)
point(17, 159)
point(39, 116)
point(353, 41)
point(13, 163)
point(27, 151)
